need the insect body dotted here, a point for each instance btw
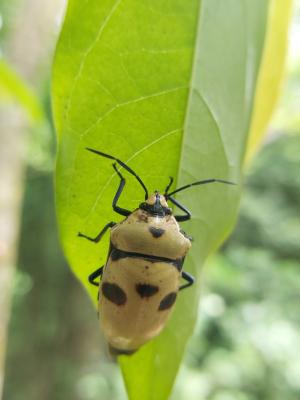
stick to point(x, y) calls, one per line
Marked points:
point(141, 278)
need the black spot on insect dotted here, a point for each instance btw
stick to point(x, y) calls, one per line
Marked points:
point(156, 232)
point(167, 301)
point(146, 290)
point(146, 266)
point(114, 293)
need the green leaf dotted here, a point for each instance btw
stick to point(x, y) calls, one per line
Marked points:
point(14, 89)
point(168, 87)
point(271, 72)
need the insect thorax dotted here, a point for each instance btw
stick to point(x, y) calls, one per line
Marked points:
point(152, 235)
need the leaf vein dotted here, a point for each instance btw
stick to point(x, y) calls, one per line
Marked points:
point(85, 55)
point(126, 103)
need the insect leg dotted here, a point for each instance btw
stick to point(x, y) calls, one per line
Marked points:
point(99, 236)
point(187, 277)
point(94, 275)
point(180, 218)
point(116, 208)
point(125, 166)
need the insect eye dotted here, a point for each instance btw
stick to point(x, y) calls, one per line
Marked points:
point(143, 206)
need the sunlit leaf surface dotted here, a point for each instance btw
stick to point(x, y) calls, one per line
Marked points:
point(168, 87)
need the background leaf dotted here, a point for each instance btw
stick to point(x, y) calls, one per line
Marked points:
point(14, 89)
point(125, 83)
point(271, 72)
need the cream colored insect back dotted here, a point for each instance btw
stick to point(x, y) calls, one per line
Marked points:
point(135, 301)
point(155, 236)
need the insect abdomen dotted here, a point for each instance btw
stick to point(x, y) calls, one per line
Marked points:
point(136, 297)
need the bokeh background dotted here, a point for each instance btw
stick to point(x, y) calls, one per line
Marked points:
point(247, 341)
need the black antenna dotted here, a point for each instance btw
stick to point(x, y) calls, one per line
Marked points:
point(169, 184)
point(204, 182)
point(122, 165)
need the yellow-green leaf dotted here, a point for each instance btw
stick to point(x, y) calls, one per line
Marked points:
point(271, 72)
point(14, 89)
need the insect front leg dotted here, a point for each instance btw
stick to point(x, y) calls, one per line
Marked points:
point(99, 236)
point(94, 275)
point(180, 218)
point(187, 277)
point(116, 208)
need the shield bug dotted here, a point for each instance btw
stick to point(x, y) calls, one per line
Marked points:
point(140, 280)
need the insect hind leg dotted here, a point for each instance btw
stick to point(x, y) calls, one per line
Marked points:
point(96, 274)
point(187, 277)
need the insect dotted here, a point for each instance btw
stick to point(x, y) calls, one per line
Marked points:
point(140, 280)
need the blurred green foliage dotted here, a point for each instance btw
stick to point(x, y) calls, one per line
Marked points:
point(246, 345)
point(288, 117)
point(7, 13)
point(13, 90)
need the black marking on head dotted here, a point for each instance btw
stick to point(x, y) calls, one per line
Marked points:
point(114, 293)
point(167, 301)
point(120, 352)
point(156, 209)
point(156, 232)
point(146, 290)
point(116, 254)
